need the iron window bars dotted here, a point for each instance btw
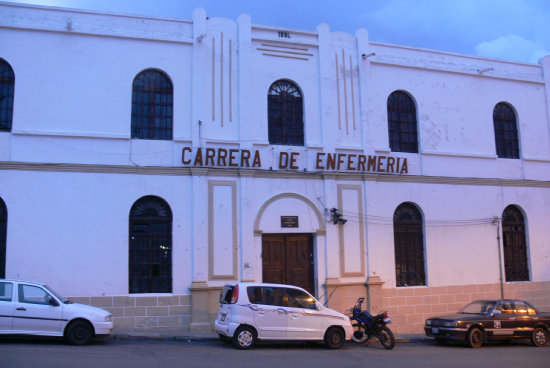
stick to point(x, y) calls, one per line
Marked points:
point(402, 125)
point(152, 106)
point(285, 114)
point(150, 246)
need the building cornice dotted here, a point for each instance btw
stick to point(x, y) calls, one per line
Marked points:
point(267, 174)
point(101, 24)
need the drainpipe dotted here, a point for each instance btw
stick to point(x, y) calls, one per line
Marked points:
point(496, 221)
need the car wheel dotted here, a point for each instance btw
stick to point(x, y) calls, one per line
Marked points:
point(334, 338)
point(79, 333)
point(475, 338)
point(539, 337)
point(244, 338)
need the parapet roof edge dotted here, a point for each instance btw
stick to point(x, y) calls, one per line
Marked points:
point(266, 27)
point(93, 12)
point(448, 53)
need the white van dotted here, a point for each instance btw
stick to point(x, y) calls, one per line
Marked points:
point(256, 311)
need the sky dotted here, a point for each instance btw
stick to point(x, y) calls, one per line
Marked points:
point(514, 30)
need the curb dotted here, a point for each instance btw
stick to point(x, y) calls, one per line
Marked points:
point(214, 338)
point(181, 338)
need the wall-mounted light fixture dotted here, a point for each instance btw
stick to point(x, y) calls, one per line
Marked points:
point(199, 38)
point(69, 25)
point(366, 56)
point(336, 217)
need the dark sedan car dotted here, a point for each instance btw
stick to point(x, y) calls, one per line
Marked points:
point(485, 320)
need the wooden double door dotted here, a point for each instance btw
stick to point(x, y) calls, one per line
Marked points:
point(288, 259)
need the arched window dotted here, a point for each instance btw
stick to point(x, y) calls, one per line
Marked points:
point(506, 131)
point(7, 85)
point(514, 244)
point(285, 114)
point(402, 126)
point(3, 236)
point(152, 106)
point(150, 246)
point(409, 246)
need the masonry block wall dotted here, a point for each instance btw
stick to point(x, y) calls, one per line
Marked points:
point(410, 307)
point(145, 315)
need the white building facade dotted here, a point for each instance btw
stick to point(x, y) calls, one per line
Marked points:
point(146, 162)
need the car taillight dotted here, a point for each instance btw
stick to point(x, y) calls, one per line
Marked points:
point(235, 294)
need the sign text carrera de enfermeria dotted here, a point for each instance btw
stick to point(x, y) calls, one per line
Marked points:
point(244, 158)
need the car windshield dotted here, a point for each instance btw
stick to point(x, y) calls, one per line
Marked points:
point(478, 307)
point(57, 295)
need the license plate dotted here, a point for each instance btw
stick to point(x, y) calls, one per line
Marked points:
point(435, 330)
point(387, 320)
point(222, 318)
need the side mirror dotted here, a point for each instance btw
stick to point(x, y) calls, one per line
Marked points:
point(52, 302)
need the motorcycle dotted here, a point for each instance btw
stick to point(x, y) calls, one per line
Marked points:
point(369, 328)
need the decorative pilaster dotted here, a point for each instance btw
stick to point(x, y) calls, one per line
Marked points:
point(374, 294)
point(199, 314)
point(199, 75)
point(247, 129)
point(546, 76)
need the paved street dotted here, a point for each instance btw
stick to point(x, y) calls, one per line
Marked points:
point(33, 353)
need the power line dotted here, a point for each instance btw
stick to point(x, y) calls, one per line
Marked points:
point(381, 220)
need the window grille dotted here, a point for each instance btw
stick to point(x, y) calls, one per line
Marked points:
point(402, 125)
point(409, 246)
point(506, 132)
point(285, 114)
point(150, 246)
point(7, 86)
point(514, 244)
point(152, 106)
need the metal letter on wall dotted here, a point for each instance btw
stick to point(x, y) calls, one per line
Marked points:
point(222, 230)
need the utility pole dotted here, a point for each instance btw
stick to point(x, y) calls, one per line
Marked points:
point(496, 221)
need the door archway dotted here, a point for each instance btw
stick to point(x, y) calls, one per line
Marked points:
point(289, 250)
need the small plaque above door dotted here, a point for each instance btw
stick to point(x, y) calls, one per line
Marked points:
point(289, 221)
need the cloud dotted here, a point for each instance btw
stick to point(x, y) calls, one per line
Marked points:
point(467, 26)
point(511, 47)
point(516, 30)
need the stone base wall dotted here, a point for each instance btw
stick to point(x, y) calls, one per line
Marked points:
point(344, 296)
point(205, 300)
point(145, 315)
point(408, 307)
